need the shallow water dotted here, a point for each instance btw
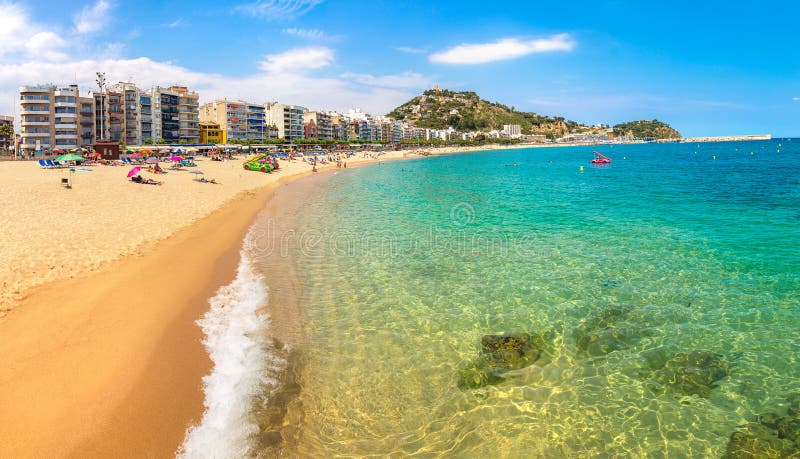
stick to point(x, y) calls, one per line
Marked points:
point(404, 266)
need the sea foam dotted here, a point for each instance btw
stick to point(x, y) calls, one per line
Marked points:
point(236, 340)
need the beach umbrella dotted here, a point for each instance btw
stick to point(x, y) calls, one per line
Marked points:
point(146, 152)
point(175, 158)
point(197, 172)
point(94, 155)
point(69, 157)
point(134, 171)
point(136, 155)
point(151, 160)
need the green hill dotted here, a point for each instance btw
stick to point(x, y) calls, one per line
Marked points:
point(465, 111)
point(646, 128)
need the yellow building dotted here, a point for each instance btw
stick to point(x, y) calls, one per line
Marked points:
point(211, 133)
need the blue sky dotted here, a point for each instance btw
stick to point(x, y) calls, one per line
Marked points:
point(707, 68)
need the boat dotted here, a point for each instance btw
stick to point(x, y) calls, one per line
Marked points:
point(600, 159)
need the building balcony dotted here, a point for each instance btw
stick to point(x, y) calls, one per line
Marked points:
point(73, 137)
point(28, 111)
point(87, 135)
point(65, 104)
point(67, 146)
point(26, 135)
point(65, 126)
point(34, 123)
point(67, 115)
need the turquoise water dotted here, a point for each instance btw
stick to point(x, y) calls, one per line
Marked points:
point(671, 249)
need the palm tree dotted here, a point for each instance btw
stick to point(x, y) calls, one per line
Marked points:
point(6, 132)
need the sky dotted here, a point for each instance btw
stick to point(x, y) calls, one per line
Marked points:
point(705, 67)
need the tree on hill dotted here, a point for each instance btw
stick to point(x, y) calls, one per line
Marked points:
point(646, 129)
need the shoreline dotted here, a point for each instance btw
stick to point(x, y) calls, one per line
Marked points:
point(109, 363)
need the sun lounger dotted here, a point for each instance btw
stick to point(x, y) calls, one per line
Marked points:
point(43, 164)
point(59, 165)
point(51, 164)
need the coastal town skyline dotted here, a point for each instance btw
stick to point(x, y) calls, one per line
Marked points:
point(581, 63)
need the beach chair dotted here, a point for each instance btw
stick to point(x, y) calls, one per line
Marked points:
point(43, 164)
point(59, 165)
point(51, 164)
point(125, 161)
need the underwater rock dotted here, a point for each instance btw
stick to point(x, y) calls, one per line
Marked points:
point(599, 334)
point(789, 429)
point(694, 373)
point(479, 374)
point(603, 342)
point(756, 442)
point(509, 351)
point(794, 405)
point(657, 357)
point(604, 318)
point(769, 420)
point(500, 354)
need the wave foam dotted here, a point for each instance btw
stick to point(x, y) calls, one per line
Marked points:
point(237, 344)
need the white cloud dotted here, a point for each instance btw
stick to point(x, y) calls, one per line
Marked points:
point(410, 50)
point(13, 24)
point(311, 34)
point(46, 45)
point(297, 60)
point(503, 49)
point(405, 80)
point(175, 24)
point(92, 18)
point(277, 9)
point(796, 99)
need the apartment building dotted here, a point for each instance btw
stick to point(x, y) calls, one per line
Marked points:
point(287, 118)
point(175, 114)
point(49, 117)
point(240, 120)
point(320, 123)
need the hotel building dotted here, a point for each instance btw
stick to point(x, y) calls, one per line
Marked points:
point(320, 123)
point(240, 120)
point(176, 117)
point(288, 119)
point(49, 118)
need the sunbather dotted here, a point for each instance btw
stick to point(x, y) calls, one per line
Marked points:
point(204, 180)
point(145, 181)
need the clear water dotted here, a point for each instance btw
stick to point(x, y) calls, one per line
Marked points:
point(404, 267)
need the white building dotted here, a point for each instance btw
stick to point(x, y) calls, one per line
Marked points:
point(49, 118)
point(287, 118)
point(512, 131)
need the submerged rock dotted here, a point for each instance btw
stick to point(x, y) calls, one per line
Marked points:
point(794, 404)
point(500, 354)
point(757, 442)
point(695, 373)
point(598, 335)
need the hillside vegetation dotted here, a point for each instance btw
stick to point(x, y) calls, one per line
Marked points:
point(646, 128)
point(465, 111)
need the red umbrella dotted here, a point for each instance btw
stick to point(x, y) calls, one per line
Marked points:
point(94, 155)
point(137, 154)
point(176, 158)
point(134, 171)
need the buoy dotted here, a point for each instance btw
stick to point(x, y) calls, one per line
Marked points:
point(751, 153)
point(581, 168)
point(714, 157)
point(624, 157)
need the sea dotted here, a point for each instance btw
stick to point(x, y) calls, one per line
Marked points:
point(516, 303)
